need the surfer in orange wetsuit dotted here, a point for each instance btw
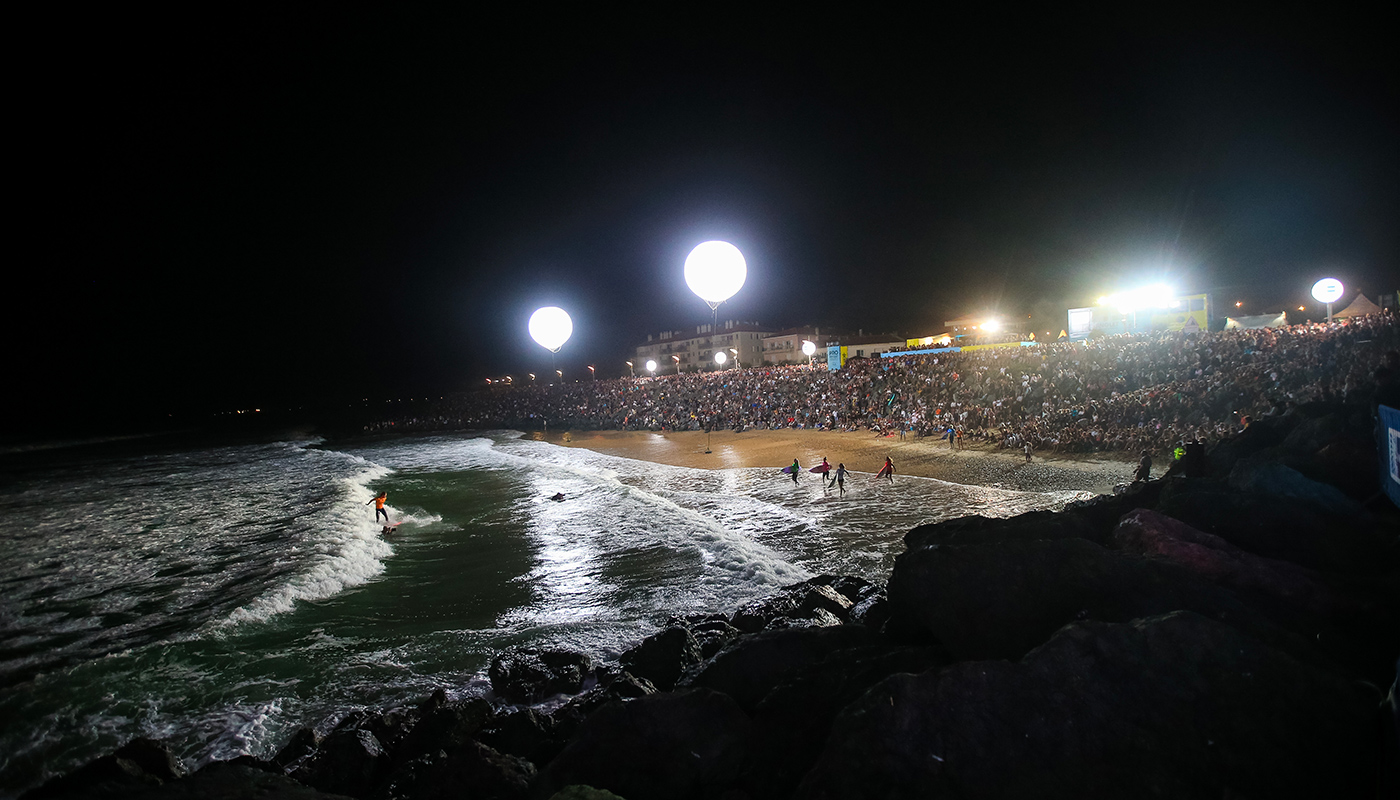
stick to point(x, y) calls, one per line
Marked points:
point(379, 506)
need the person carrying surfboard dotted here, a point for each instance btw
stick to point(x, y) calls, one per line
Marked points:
point(886, 471)
point(794, 469)
point(840, 477)
point(379, 506)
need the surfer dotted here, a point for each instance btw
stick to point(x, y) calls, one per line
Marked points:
point(840, 477)
point(795, 469)
point(379, 506)
point(887, 471)
point(558, 497)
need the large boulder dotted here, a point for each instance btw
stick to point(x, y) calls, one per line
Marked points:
point(1002, 600)
point(662, 657)
point(1282, 527)
point(1175, 706)
point(792, 722)
point(674, 746)
point(139, 765)
point(470, 769)
point(350, 761)
point(1268, 476)
point(748, 668)
point(529, 675)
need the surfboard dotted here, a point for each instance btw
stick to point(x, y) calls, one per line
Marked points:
point(790, 470)
point(821, 468)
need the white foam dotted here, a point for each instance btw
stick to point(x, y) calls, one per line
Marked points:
point(349, 551)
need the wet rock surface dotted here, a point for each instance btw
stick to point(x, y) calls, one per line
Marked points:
point(1230, 632)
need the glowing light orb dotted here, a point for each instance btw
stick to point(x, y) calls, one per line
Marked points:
point(1327, 290)
point(551, 327)
point(808, 348)
point(715, 271)
point(651, 366)
point(991, 325)
point(720, 358)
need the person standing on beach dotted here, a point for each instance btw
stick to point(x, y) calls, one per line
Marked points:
point(1144, 470)
point(1028, 452)
point(840, 478)
point(378, 501)
point(795, 469)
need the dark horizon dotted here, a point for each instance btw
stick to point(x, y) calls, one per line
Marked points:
point(304, 208)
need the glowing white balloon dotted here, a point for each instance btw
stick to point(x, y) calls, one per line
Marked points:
point(715, 271)
point(551, 327)
point(1327, 290)
point(651, 365)
point(720, 358)
point(808, 348)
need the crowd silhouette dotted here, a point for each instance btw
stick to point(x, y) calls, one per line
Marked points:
point(1127, 392)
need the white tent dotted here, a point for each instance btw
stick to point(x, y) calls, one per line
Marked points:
point(1258, 321)
point(1359, 307)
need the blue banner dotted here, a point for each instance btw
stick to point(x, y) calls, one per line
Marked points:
point(1390, 452)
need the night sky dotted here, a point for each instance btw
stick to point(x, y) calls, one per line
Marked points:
point(232, 211)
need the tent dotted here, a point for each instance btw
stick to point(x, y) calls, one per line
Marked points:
point(1258, 321)
point(1359, 307)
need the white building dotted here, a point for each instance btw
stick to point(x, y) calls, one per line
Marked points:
point(681, 351)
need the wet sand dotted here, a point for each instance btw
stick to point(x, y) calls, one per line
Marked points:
point(862, 452)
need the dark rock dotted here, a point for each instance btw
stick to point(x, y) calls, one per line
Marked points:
point(822, 598)
point(350, 761)
point(628, 686)
point(1173, 706)
point(674, 746)
point(526, 733)
point(577, 792)
point(297, 749)
point(527, 675)
point(1001, 600)
point(873, 611)
point(217, 781)
point(1282, 528)
point(750, 667)
point(467, 770)
point(712, 636)
point(1261, 435)
point(851, 587)
point(446, 727)
point(1271, 477)
point(139, 765)
point(663, 656)
point(755, 615)
point(792, 722)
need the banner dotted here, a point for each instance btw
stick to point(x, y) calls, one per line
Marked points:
point(835, 357)
point(1390, 451)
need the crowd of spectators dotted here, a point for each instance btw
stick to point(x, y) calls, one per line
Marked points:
point(1126, 392)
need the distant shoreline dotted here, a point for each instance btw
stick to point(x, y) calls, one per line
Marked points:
point(862, 452)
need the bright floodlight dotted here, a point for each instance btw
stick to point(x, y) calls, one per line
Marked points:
point(651, 365)
point(551, 327)
point(720, 358)
point(1327, 290)
point(991, 325)
point(808, 348)
point(715, 271)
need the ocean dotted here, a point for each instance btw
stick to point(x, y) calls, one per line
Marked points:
point(219, 598)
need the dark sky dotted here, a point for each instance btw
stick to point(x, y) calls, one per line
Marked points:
point(232, 210)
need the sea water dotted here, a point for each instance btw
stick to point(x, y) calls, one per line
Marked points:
point(219, 598)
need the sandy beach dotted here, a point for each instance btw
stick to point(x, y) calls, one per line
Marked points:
point(861, 452)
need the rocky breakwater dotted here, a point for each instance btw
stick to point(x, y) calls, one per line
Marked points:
point(1233, 632)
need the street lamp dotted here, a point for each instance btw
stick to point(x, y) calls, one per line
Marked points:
point(809, 347)
point(1327, 290)
point(677, 359)
point(560, 373)
point(630, 368)
point(592, 372)
point(737, 363)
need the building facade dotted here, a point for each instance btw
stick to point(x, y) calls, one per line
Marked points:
point(682, 351)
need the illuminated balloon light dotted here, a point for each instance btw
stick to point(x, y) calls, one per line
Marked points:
point(551, 327)
point(808, 348)
point(715, 271)
point(1327, 290)
point(720, 358)
point(651, 366)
